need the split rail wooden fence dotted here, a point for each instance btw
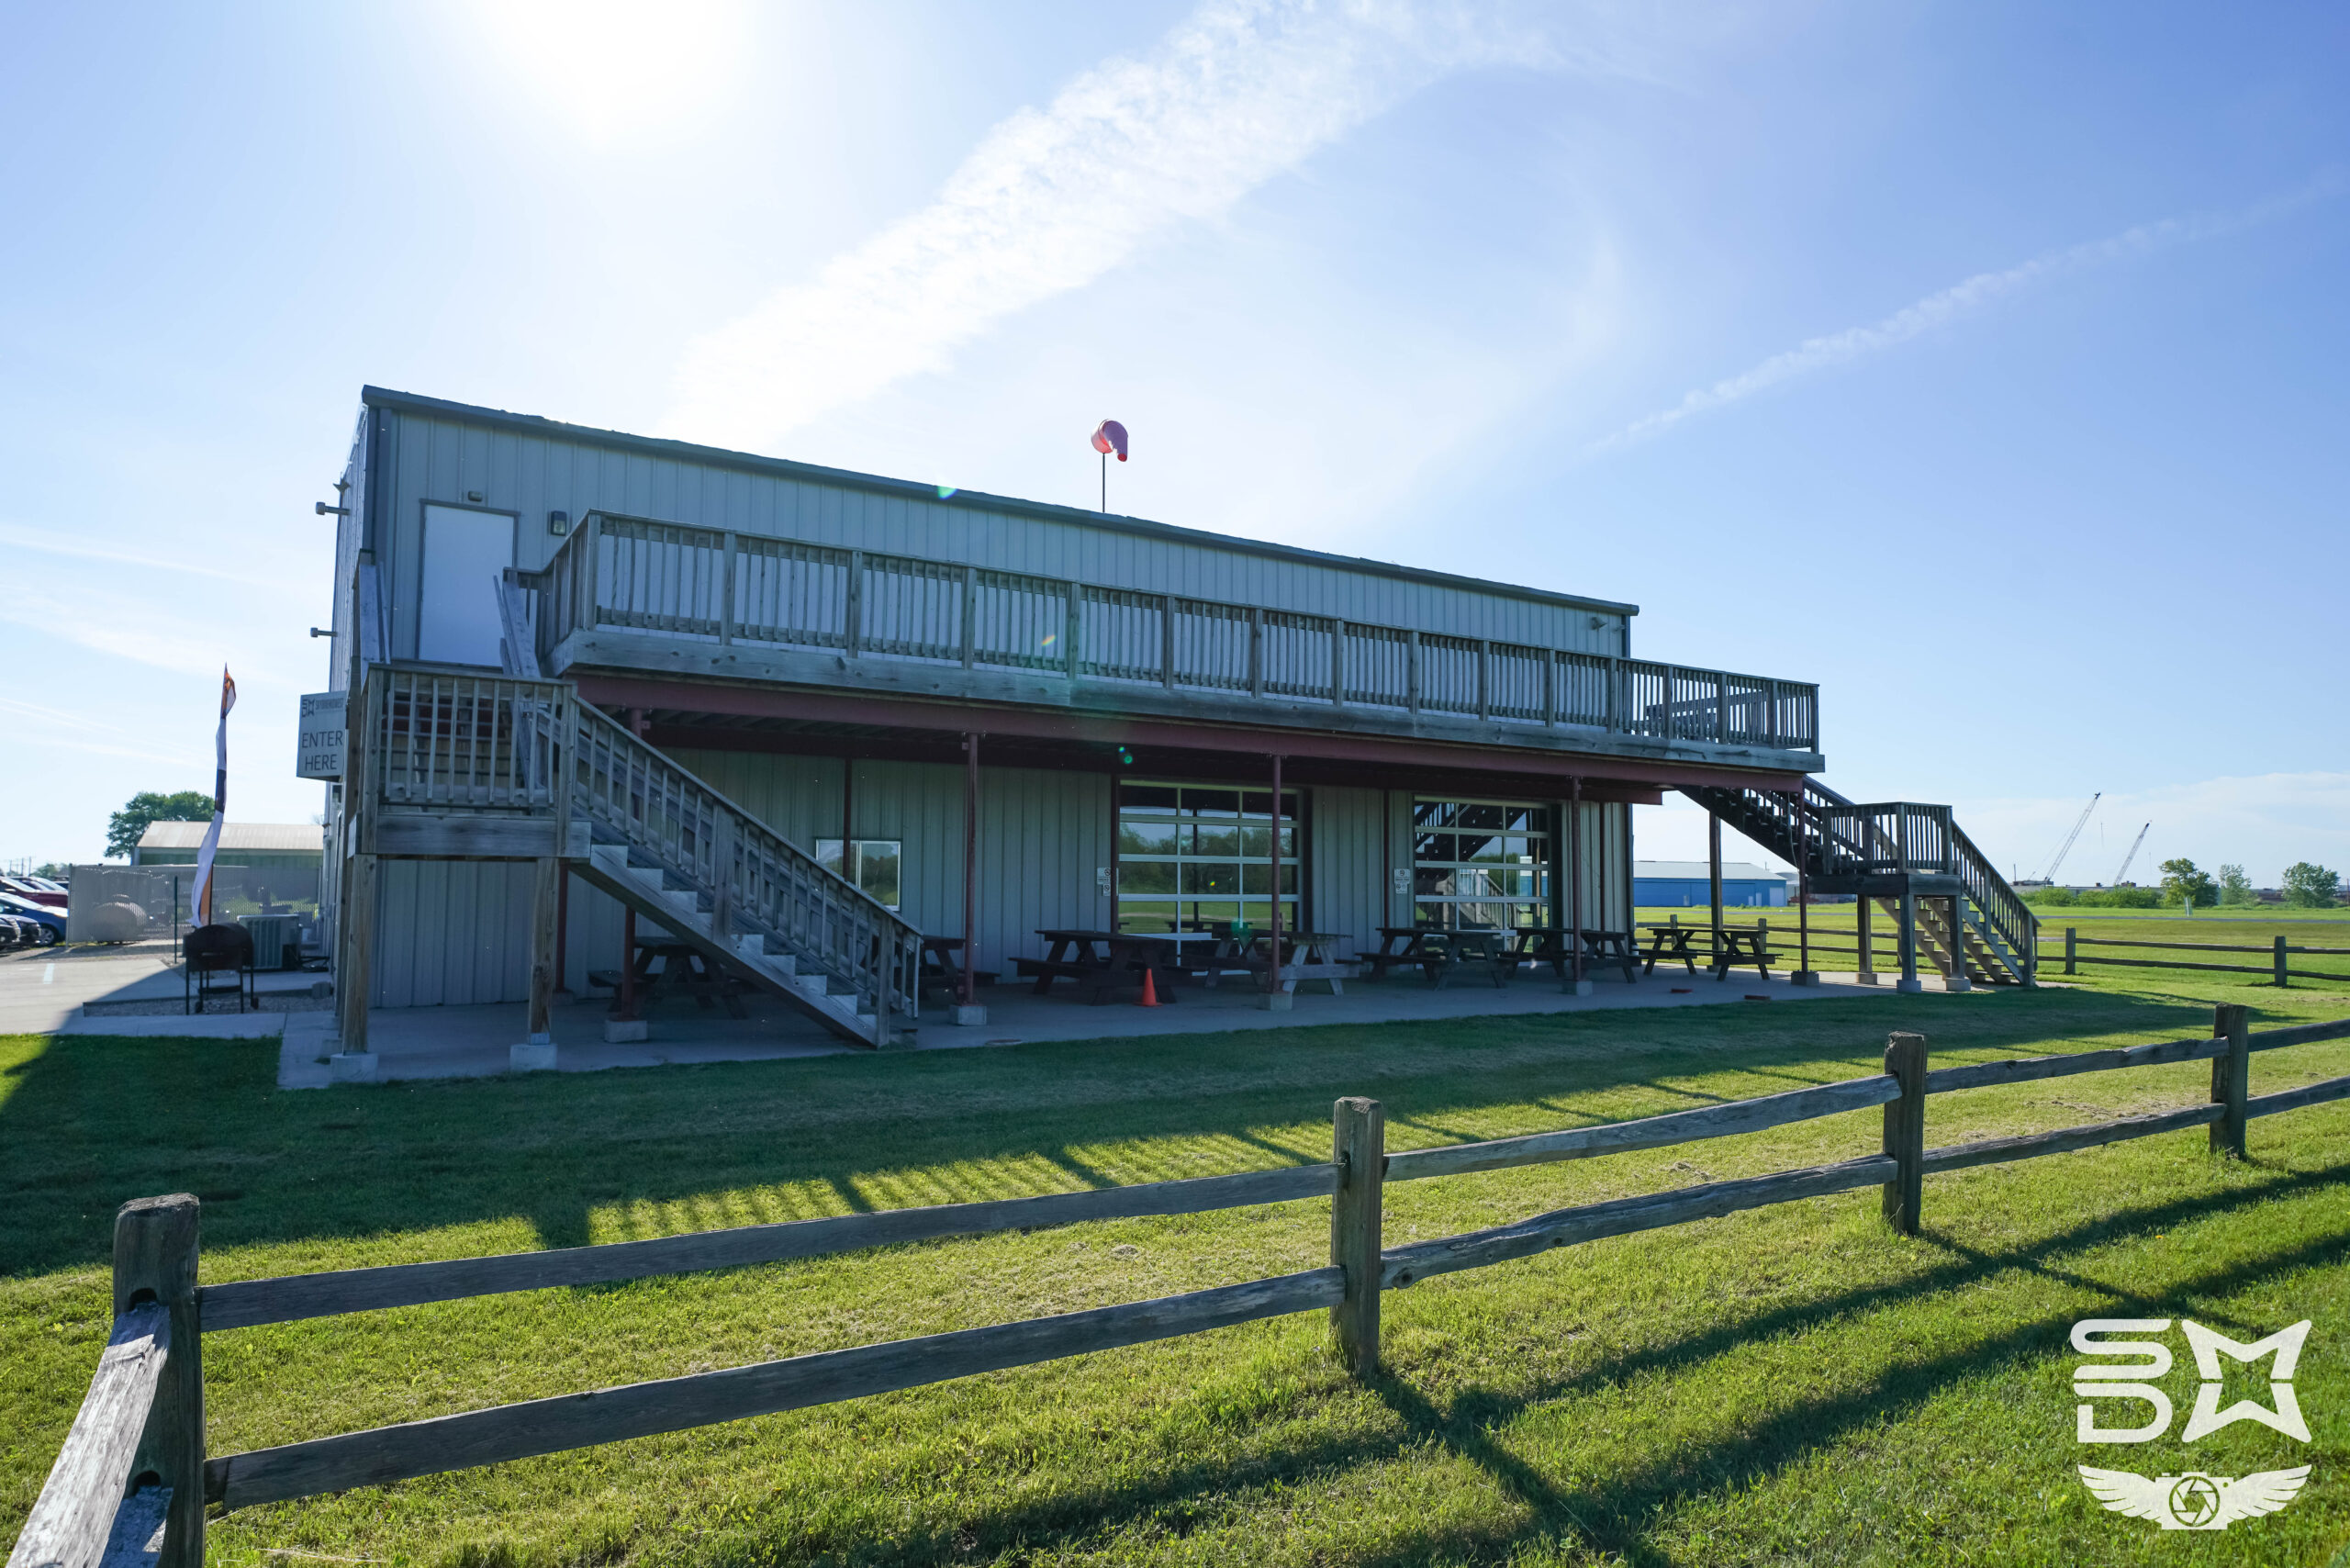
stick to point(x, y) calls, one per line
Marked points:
point(132, 1479)
point(2279, 953)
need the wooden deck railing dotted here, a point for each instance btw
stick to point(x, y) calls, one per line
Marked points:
point(736, 590)
point(99, 1491)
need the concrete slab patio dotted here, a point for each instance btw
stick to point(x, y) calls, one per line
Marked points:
point(472, 1042)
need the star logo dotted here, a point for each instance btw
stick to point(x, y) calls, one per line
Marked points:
point(2195, 1500)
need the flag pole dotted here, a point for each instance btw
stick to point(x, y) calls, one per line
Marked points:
point(1105, 484)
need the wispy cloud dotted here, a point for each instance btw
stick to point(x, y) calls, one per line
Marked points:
point(1960, 300)
point(1054, 198)
point(34, 724)
point(22, 538)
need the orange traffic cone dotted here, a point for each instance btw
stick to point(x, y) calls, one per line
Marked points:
point(1149, 997)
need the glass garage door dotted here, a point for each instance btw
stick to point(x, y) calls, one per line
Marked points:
point(1480, 864)
point(1195, 855)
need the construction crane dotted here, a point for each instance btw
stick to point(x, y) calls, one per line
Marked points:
point(2133, 854)
point(2066, 847)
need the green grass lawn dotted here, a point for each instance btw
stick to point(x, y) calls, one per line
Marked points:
point(1796, 1384)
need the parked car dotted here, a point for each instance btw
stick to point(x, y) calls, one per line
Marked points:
point(50, 923)
point(39, 890)
point(17, 931)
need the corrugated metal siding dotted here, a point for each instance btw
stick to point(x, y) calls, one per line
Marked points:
point(1043, 834)
point(452, 932)
point(1349, 864)
point(441, 459)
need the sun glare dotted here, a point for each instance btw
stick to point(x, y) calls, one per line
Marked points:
point(617, 73)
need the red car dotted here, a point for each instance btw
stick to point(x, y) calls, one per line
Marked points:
point(40, 890)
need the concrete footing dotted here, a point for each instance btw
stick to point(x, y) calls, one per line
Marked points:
point(351, 1067)
point(534, 1055)
point(1908, 985)
point(1277, 1001)
point(974, 1017)
point(1804, 977)
point(626, 1031)
point(1577, 988)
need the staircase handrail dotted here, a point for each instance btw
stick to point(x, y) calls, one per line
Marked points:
point(1998, 900)
point(760, 881)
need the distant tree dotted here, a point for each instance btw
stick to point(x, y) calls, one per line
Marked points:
point(2053, 898)
point(2183, 884)
point(2311, 887)
point(2235, 887)
point(125, 827)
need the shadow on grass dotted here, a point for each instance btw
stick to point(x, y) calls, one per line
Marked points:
point(1614, 1517)
point(86, 1124)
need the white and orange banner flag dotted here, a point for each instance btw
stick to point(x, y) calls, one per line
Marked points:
point(202, 898)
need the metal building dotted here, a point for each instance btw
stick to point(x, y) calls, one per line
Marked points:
point(806, 719)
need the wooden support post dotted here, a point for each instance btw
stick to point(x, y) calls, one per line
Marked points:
point(1958, 980)
point(722, 877)
point(971, 869)
point(1484, 678)
point(1550, 687)
point(2072, 935)
point(1276, 997)
point(1359, 1148)
point(624, 1006)
point(1713, 886)
point(546, 889)
point(562, 927)
point(1412, 673)
point(2283, 979)
point(1338, 663)
point(354, 954)
point(1864, 938)
point(1256, 651)
point(1908, 939)
point(154, 1258)
point(1904, 1130)
point(2231, 1076)
point(1574, 883)
point(1071, 623)
point(1167, 642)
point(1805, 974)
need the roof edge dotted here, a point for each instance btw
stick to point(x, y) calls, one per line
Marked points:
point(910, 490)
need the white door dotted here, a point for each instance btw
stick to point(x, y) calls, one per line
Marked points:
point(456, 612)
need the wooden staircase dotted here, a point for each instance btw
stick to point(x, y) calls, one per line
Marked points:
point(1881, 851)
point(516, 765)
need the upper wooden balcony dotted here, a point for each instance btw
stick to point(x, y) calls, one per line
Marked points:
point(631, 596)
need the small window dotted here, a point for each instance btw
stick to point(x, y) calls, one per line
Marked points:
point(873, 865)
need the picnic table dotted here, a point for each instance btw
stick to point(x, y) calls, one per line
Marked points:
point(1109, 961)
point(941, 967)
point(683, 970)
point(1305, 956)
point(1436, 953)
point(1740, 946)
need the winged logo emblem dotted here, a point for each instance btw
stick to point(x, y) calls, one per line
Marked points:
point(2195, 1500)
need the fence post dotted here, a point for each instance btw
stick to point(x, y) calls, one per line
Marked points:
point(1904, 1130)
point(2231, 1076)
point(2071, 933)
point(155, 1256)
point(1359, 1148)
point(2283, 979)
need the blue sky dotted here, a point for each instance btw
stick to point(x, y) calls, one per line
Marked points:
point(1985, 363)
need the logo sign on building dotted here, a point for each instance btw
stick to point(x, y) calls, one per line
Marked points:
point(2123, 1376)
point(321, 754)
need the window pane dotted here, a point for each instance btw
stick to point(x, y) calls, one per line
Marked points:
point(1147, 877)
point(1212, 803)
point(1222, 842)
point(1145, 916)
point(1145, 837)
point(1211, 877)
point(877, 869)
point(828, 855)
point(1435, 846)
point(1481, 816)
point(1153, 797)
